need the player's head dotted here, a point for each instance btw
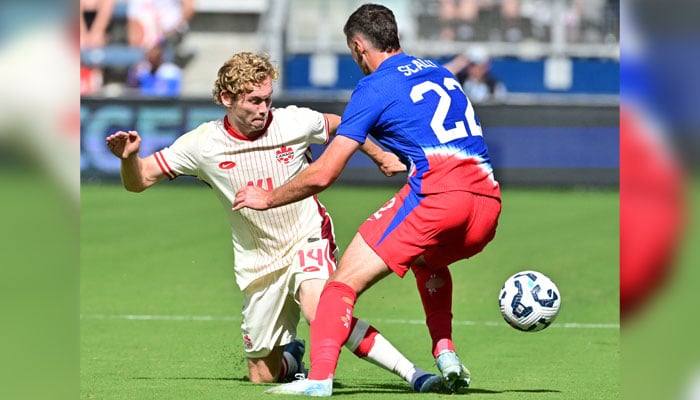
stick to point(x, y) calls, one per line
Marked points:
point(240, 74)
point(376, 25)
point(244, 86)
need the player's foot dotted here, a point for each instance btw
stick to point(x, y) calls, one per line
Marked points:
point(455, 374)
point(296, 349)
point(305, 387)
point(429, 383)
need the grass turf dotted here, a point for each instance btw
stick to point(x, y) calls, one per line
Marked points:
point(160, 312)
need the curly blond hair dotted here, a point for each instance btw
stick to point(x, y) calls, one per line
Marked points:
point(240, 73)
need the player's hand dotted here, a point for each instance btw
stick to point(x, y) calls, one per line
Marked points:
point(252, 197)
point(124, 144)
point(391, 165)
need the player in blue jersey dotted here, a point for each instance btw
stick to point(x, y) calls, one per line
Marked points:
point(447, 211)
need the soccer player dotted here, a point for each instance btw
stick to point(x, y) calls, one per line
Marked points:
point(447, 211)
point(284, 256)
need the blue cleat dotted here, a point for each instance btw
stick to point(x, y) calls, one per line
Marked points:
point(305, 387)
point(455, 374)
point(429, 383)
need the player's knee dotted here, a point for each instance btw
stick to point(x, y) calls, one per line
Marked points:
point(258, 379)
point(309, 293)
point(260, 371)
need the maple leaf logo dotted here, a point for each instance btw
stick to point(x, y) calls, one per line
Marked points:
point(284, 154)
point(247, 341)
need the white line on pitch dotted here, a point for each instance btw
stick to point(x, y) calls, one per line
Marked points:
point(137, 317)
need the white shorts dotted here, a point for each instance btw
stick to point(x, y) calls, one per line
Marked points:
point(271, 309)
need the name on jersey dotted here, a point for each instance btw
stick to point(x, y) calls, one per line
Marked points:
point(416, 65)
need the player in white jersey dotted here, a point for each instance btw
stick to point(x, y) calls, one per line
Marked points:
point(283, 256)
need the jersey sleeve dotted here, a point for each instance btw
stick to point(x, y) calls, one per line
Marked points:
point(181, 157)
point(360, 115)
point(314, 123)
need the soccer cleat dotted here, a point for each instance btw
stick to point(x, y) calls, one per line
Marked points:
point(305, 387)
point(296, 349)
point(429, 383)
point(455, 374)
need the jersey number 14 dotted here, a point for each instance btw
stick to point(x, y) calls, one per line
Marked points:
point(437, 123)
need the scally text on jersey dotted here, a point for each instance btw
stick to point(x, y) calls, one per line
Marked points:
point(415, 66)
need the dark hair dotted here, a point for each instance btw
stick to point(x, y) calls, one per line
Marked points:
point(377, 24)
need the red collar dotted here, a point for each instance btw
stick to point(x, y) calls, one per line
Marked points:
point(234, 133)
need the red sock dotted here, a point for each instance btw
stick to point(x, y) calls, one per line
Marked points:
point(365, 334)
point(330, 328)
point(288, 367)
point(435, 288)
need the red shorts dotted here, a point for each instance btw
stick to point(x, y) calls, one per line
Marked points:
point(443, 227)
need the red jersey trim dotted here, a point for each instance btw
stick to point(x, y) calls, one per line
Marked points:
point(327, 229)
point(235, 134)
point(328, 132)
point(163, 165)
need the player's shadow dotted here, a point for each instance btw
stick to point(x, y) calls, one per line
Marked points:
point(486, 391)
point(341, 389)
point(244, 379)
point(399, 389)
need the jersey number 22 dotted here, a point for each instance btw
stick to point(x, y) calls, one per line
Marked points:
point(437, 123)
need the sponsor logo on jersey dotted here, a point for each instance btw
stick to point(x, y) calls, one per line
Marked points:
point(227, 164)
point(284, 154)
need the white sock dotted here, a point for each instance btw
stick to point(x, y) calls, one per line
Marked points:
point(384, 354)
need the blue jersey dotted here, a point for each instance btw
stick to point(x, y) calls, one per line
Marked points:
point(417, 109)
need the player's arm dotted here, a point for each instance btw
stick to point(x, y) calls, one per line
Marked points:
point(333, 120)
point(137, 173)
point(457, 64)
point(315, 178)
point(387, 161)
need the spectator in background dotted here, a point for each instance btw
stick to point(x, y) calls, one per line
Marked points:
point(151, 21)
point(511, 20)
point(472, 69)
point(95, 20)
point(154, 76)
point(457, 18)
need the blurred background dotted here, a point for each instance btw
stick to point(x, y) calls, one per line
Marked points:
point(544, 73)
point(535, 47)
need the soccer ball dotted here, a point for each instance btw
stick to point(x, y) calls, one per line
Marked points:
point(529, 301)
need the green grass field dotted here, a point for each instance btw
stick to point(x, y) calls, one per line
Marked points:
point(160, 312)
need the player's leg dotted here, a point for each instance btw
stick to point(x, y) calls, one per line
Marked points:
point(401, 232)
point(332, 323)
point(359, 268)
point(283, 364)
point(265, 369)
point(367, 343)
point(459, 238)
point(270, 317)
point(435, 289)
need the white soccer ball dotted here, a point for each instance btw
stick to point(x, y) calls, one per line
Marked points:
point(529, 301)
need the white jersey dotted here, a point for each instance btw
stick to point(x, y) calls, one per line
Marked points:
point(263, 241)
